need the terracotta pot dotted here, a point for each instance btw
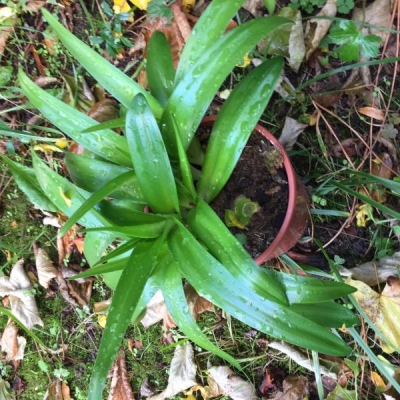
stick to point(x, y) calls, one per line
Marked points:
point(297, 213)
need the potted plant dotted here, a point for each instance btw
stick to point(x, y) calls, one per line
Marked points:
point(121, 178)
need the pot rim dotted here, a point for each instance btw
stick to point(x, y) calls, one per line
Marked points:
point(296, 199)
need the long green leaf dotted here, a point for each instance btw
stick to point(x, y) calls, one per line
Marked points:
point(26, 180)
point(174, 295)
point(212, 280)
point(124, 303)
point(302, 289)
point(235, 122)
point(110, 77)
point(106, 143)
point(150, 159)
point(110, 187)
point(144, 231)
point(214, 234)
point(160, 67)
point(208, 29)
point(91, 174)
point(64, 194)
point(195, 91)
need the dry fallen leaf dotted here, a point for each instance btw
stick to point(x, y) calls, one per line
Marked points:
point(317, 28)
point(300, 358)
point(156, 311)
point(182, 374)
point(377, 13)
point(230, 384)
point(19, 289)
point(290, 132)
point(294, 388)
point(45, 269)
point(120, 388)
point(78, 291)
point(58, 390)
point(8, 18)
point(373, 273)
point(372, 112)
point(383, 309)
point(12, 344)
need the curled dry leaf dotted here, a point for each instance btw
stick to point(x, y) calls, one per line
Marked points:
point(58, 390)
point(12, 344)
point(300, 358)
point(182, 374)
point(120, 388)
point(290, 132)
point(317, 28)
point(77, 292)
point(45, 269)
point(230, 384)
point(374, 272)
point(382, 308)
point(19, 289)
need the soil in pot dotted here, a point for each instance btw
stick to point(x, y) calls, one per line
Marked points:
point(260, 176)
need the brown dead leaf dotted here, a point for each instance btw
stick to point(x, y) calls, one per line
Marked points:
point(383, 309)
point(19, 289)
point(45, 269)
point(317, 28)
point(104, 110)
point(377, 13)
point(120, 388)
point(255, 7)
point(77, 292)
point(58, 390)
point(294, 388)
point(350, 147)
point(65, 244)
point(197, 304)
point(290, 132)
point(267, 383)
point(12, 344)
point(372, 112)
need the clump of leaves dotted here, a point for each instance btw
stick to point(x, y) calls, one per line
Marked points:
point(307, 6)
point(345, 6)
point(351, 43)
point(111, 31)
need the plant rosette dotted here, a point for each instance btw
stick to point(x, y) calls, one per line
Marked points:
point(296, 214)
point(149, 166)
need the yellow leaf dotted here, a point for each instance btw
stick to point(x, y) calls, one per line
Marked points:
point(47, 148)
point(102, 320)
point(67, 200)
point(383, 309)
point(363, 215)
point(378, 381)
point(246, 62)
point(142, 4)
point(188, 5)
point(372, 112)
point(62, 143)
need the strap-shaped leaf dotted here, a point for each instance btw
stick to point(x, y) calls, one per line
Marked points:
point(328, 314)
point(214, 234)
point(103, 192)
point(174, 295)
point(150, 158)
point(143, 231)
point(208, 29)
point(110, 77)
point(26, 179)
point(124, 303)
point(195, 91)
point(111, 124)
point(235, 122)
point(312, 290)
point(91, 174)
point(160, 67)
point(106, 143)
point(64, 194)
point(213, 281)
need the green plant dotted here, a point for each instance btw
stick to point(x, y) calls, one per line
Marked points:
point(307, 5)
point(118, 176)
point(351, 43)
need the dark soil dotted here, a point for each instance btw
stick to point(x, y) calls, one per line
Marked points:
point(266, 186)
